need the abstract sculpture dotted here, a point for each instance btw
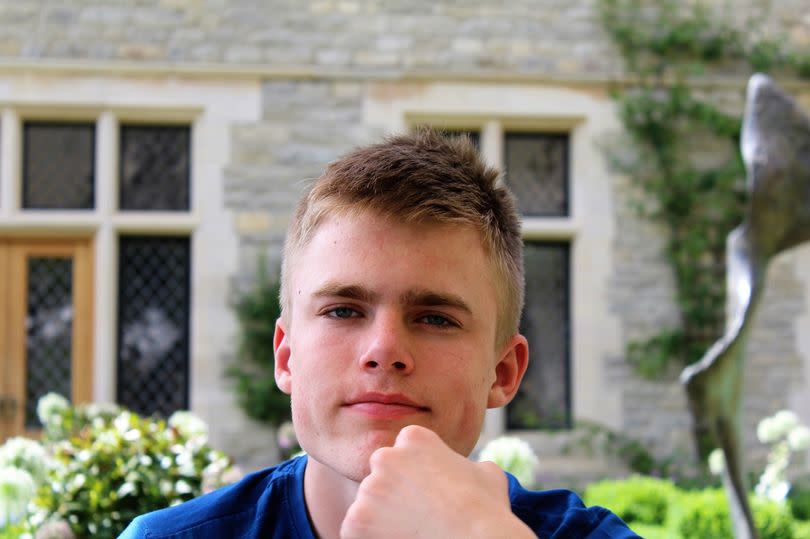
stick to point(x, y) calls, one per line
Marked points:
point(775, 146)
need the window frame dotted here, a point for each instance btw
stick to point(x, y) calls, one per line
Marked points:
point(106, 222)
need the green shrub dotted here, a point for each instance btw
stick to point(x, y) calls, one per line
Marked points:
point(253, 370)
point(705, 515)
point(800, 505)
point(648, 531)
point(637, 499)
point(107, 465)
point(801, 530)
point(799, 501)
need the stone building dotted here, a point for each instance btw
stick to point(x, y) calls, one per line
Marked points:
point(152, 152)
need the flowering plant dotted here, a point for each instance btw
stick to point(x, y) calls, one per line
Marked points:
point(100, 466)
point(16, 488)
point(785, 434)
point(514, 456)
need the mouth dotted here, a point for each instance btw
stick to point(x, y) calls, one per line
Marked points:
point(384, 405)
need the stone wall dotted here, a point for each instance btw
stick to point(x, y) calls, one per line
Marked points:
point(546, 37)
point(305, 124)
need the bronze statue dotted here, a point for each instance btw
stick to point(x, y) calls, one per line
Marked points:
point(775, 145)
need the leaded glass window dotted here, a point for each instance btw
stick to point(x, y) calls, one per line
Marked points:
point(58, 166)
point(153, 323)
point(537, 172)
point(49, 327)
point(543, 400)
point(155, 168)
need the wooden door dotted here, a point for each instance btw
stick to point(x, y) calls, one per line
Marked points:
point(46, 298)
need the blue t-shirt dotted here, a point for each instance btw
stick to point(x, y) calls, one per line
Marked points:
point(270, 504)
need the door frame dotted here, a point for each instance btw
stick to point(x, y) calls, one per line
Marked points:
point(13, 300)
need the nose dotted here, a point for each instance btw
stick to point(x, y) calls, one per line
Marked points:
point(387, 348)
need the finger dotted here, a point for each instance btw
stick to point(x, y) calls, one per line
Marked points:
point(416, 435)
point(380, 459)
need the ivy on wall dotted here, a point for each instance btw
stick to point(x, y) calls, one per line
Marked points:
point(684, 156)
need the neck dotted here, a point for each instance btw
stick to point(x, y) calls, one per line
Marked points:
point(328, 496)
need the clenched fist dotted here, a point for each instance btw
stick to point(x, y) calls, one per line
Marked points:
point(420, 488)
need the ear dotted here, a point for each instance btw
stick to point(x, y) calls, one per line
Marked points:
point(281, 349)
point(509, 371)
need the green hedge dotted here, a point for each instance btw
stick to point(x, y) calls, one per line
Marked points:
point(638, 499)
point(706, 516)
point(655, 508)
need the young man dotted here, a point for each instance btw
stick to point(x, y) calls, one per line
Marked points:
point(402, 288)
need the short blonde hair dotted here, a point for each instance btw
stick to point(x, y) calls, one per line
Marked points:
point(423, 177)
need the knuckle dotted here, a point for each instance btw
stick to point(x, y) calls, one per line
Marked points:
point(415, 433)
point(381, 458)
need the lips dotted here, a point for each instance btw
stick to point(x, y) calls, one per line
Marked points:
point(384, 405)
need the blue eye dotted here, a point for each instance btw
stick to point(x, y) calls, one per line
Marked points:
point(437, 320)
point(342, 312)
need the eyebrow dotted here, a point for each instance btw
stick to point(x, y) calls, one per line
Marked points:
point(428, 298)
point(331, 290)
point(417, 297)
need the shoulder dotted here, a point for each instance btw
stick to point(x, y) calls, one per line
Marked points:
point(244, 506)
point(560, 513)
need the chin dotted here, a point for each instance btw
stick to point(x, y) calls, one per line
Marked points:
point(351, 458)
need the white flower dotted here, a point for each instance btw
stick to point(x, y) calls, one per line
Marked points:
point(182, 487)
point(122, 422)
point(799, 438)
point(185, 463)
point(514, 456)
point(189, 425)
point(717, 461)
point(126, 489)
point(97, 410)
point(165, 487)
point(25, 454)
point(132, 435)
point(105, 439)
point(50, 408)
point(17, 487)
point(78, 481)
point(767, 431)
point(776, 492)
point(777, 426)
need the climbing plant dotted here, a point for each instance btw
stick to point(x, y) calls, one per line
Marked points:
point(684, 150)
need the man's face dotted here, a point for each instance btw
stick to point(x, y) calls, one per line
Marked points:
point(391, 325)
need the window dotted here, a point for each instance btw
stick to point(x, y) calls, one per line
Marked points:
point(58, 165)
point(49, 321)
point(82, 205)
point(154, 167)
point(544, 398)
point(536, 169)
point(153, 323)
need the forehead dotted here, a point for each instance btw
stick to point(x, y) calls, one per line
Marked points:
point(377, 250)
